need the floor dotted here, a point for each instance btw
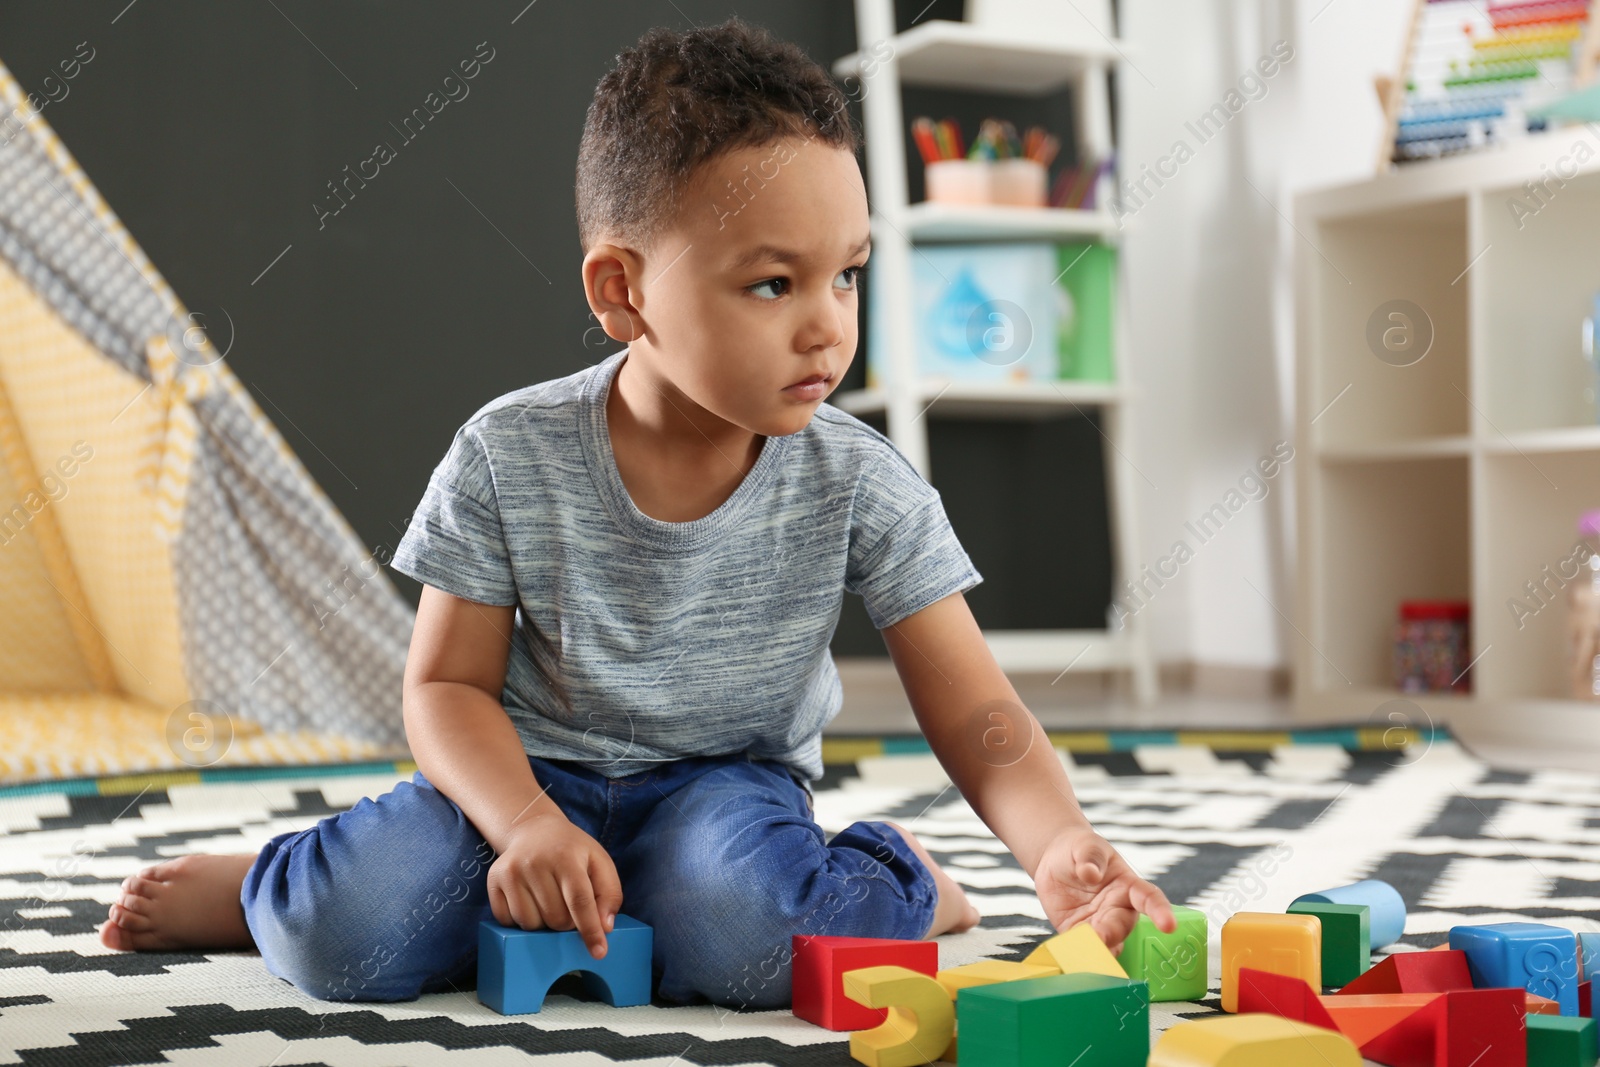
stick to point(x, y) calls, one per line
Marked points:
point(874, 702)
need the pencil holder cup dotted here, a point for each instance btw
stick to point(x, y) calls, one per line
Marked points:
point(1018, 182)
point(958, 181)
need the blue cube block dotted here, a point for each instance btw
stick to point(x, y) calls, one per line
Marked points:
point(1541, 959)
point(517, 967)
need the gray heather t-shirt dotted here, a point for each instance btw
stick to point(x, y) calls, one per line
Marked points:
point(676, 639)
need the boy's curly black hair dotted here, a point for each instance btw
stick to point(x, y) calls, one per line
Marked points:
point(677, 99)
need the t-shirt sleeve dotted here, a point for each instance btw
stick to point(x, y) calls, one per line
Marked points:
point(455, 541)
point(903, 555)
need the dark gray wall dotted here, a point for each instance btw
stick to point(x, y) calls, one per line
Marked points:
point(370, 335)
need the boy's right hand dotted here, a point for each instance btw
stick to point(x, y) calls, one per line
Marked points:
point(554, 876)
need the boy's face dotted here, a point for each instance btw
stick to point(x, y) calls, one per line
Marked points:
point(754, 286)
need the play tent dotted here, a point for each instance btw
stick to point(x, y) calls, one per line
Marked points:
point(175, 589)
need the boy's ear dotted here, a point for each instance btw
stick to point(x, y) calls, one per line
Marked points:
point(610, 273)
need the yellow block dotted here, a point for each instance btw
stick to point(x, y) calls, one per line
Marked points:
point(1282, 944)
point(1078, 950)
point(984, 972)
point(921, 1019)
point(1252, 1041)
point(989, 972)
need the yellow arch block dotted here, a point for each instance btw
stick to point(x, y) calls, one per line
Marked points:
point(1252, 1040)
point(921, 1019)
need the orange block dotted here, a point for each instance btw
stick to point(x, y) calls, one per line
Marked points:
point(1282, 944)
point(1363, 1016)
point(1538, 1005)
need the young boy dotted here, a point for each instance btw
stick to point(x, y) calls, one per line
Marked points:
point(620, 670)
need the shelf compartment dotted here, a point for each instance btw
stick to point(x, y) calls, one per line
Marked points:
point(1419, 254)
point(960, 55)
point(1385, 532)
point(1531, 513)
point(1021, 400)
point(1539, 279)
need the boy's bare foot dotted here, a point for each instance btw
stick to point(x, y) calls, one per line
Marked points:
point(187, 902)
point(954, 913)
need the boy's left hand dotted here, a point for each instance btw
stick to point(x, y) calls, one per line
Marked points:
point(1081, 878)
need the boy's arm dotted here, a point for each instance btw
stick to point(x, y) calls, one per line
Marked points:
point(998, 755)
point(459, 733)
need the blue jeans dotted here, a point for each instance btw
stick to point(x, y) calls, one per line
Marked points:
point(718, 854)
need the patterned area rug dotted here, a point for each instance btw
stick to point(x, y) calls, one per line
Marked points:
point(1247, 822)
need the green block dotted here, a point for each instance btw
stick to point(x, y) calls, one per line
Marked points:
point(1346, 939)
point(1173, 964)
point(1556, 1041)
point(1086, 1020)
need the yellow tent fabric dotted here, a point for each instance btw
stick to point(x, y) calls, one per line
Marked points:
point(175, 589)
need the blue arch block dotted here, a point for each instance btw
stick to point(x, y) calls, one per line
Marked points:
point(1388, 910)
point(517, 967)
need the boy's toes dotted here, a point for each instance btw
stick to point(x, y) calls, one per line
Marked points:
point(114, 936)
point(130, 920)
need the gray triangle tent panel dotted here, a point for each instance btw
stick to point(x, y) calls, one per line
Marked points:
point(286, 619)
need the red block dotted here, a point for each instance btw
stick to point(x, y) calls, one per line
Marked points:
point(818, 975)
point(1281, 994)
point(1585, 1000)
point(1462, 1028)
point(1414, 972)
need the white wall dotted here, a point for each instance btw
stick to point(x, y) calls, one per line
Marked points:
point(1209, 255)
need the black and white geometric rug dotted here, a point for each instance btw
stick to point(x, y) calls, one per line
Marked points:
point(1246, 829)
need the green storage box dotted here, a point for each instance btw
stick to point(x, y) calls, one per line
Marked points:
point(1086, 299)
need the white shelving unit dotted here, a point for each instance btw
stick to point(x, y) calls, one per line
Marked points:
point(1462, 475)
point(959, 55)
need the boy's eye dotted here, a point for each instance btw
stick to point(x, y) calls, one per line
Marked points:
point(776, 287)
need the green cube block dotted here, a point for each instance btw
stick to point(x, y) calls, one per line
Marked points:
point(1346, 939)
point(1173, 964)
point(1086, 1020)
point(1557, 1041)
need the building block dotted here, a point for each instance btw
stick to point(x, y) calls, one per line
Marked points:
point(1538, 1005)
point(1083, 1019)
point(1262, 992)
point(1586, 999)
point(1077, 950)
point(1346, 939)
point(1252, 1041)
point(919, 1018)
point(1589, 948)
point(1414, 972)
point(1363, 1017)
point(817, 975)
point(1282, 944)
point(1560, 1041)
point(1174, 965)
point(1539, 958)
point(1387, 919)
point(988, 972)
point(984, 972)
point(517, 967)
point(1460, 1028)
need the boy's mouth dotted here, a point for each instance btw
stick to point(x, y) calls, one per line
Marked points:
point(811, 387)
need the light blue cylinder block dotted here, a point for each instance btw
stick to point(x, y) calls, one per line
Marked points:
point(1387, 908)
